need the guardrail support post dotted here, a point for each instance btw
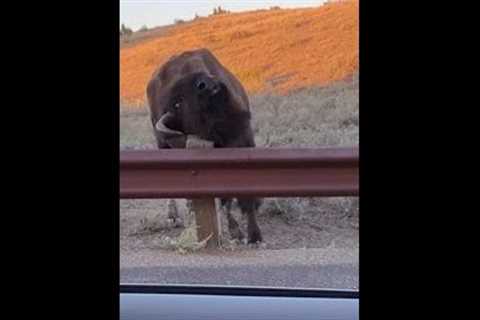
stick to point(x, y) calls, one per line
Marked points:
point(206, 216)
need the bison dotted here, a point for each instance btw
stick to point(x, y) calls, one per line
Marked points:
point(194, 94)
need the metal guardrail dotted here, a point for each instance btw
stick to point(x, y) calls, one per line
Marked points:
point(239, 172)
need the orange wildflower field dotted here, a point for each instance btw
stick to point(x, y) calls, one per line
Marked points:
point(268, 50)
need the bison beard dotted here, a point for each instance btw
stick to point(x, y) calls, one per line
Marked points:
point(193, 94)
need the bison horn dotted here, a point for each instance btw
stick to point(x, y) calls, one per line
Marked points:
point(161, 127)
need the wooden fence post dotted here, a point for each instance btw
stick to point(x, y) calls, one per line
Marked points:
point(206, 217)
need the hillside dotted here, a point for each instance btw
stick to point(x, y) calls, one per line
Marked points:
point(268, 50)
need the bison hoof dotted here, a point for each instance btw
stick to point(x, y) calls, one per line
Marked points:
point(255, 237)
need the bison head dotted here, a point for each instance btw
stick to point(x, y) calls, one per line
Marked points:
point(196, 104)
point(194, 94)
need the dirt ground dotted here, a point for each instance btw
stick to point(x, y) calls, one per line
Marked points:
point(333, 222)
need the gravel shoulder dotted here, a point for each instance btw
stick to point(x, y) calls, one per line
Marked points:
point(308, 268)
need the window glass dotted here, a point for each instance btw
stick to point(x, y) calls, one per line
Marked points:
point(298, 63)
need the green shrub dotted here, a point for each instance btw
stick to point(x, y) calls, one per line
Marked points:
point(219, 10)
point(125, 31)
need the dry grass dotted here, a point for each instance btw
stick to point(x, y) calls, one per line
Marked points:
point(137, 37)
point(186, 242)
point(268, 50)
point(313, 117)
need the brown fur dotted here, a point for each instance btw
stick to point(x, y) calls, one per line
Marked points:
point(223, 118)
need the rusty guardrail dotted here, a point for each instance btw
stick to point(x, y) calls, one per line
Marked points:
point(196, 173)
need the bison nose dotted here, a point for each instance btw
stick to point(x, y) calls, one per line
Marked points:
point(201, 85)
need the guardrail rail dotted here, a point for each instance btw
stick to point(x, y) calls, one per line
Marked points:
point(203, 174)
point(180, 173)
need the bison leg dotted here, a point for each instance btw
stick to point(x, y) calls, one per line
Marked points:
point(250, 207)
point(233, 226)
